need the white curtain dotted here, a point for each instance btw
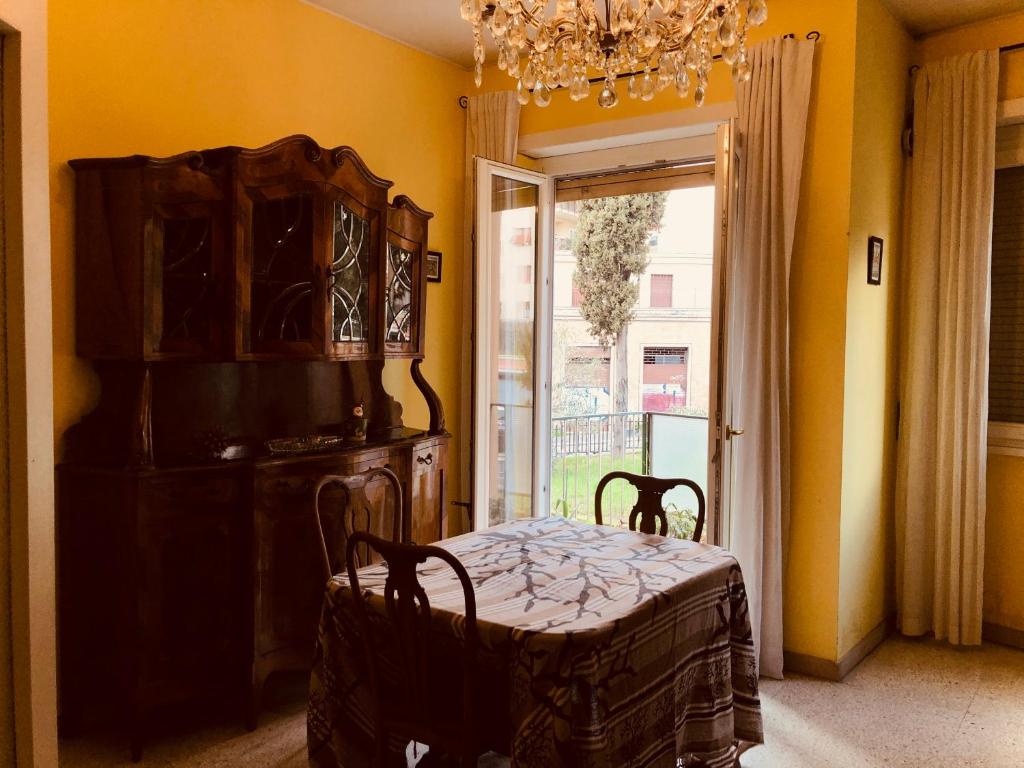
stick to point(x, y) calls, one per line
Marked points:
point(940, 480)
point(492, 131)
point(772, 125)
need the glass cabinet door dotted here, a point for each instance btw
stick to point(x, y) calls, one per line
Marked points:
point(284, 308)
point(351, 278)
point(401, 279)
point(405, 279)
point(186, 271)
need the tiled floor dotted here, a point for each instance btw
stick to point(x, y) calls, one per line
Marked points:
point(909, 704)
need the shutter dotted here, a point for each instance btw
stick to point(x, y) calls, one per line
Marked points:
point(635, 182)
point(665, 379)
point(1006, 343)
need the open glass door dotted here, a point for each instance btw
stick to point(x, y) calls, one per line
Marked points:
point(722, 431)
point(511, 345)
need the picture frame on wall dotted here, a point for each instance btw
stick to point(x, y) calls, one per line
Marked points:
point(433, 266)
point(875, 246)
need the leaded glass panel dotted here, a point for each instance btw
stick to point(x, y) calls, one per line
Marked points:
point(188, 281)
point(350, 276)
point(283, 269)
point(398, 299)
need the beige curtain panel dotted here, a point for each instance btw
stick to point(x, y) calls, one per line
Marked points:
point(773, 107)
point(940, 481)
point(492, 131)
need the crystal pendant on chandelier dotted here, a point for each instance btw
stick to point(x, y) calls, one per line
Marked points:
point(608, 98)
point(652, 42)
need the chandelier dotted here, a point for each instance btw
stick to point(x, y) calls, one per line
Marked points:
point(655, 43)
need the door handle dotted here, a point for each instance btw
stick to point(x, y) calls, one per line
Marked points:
point(730, 433)
point(428, 460)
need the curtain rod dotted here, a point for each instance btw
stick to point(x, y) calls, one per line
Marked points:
point(814, 36)
point(1003, 49)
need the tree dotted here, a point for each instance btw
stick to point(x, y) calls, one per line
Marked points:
point(611, 246)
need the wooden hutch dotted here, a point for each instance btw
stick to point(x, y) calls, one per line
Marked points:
point(230, 299)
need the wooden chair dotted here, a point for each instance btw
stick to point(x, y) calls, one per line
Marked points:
point(648, 505)
point(356, 515)
point(416, 705)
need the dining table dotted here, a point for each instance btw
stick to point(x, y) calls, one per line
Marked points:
point(617, 648)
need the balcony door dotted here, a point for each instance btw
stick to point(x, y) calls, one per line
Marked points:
point(550, 417)
point(637, 365)
point(511, 344)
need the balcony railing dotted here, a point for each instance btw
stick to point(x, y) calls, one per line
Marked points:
point(585, 448)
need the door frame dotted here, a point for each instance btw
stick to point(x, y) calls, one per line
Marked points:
point(29, 372)
point(720, 147)
point(542, 271)
point(719, 405)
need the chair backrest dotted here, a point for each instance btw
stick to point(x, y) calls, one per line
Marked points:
point(648, 508)
point(413, 643)
point(357, 514)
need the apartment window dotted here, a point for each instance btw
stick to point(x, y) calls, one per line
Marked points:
point(1006, 342)
point(526, 274)
point(661, 290)
point(577, 297)
point(588, 367)
point(665, 379)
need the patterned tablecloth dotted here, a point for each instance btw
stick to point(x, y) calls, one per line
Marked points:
point(621, 649)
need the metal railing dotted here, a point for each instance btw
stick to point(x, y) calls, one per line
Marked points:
point(572, 435)
point(585, 448)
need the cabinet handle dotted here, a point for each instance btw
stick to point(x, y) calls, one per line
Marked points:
point(428, 459)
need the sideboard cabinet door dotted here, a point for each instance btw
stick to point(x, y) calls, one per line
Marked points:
point(186, 305)
point(352, 276)
point(405, 279)
point(281, 270)
point(427, 495)
point(191, 582)
point(289, 570)
point(356, 205)
point(152, 259)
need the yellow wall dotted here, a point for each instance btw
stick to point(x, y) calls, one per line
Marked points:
point(1004, 542)
point(164, 76)
point(866, 538)
point(1004, 534)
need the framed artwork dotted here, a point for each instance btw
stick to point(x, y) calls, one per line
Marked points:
point(874, 260)
point(433, 266)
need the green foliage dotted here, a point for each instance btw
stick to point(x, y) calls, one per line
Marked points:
point(611, 246)
point(681, 522)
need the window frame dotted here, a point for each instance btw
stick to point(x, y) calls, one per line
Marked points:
point(1007, 438)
